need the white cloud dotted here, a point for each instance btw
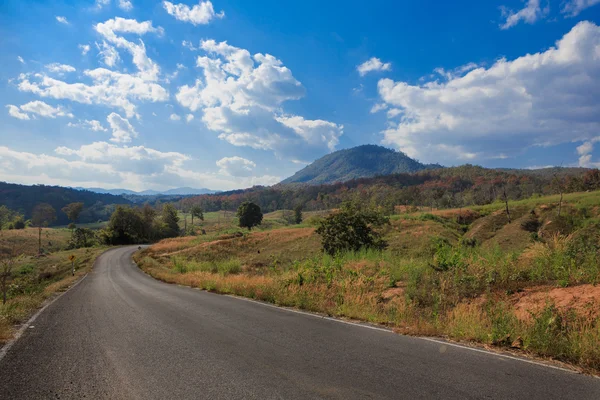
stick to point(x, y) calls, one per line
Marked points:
point(92, 125)
point(174, 117)
point(187, 44)
point(84, 48)
point(236, 166)
point(21, 59)
point(544, 98)
point(572, 8)
point(14, 112)
point(189, 117)
point(378, 107)
point(107, 165)
point(123, 131)
point(529, 14)
point(60, 68)
point(371, 65)
point(585, 156)
point(62, 20)
point(110, 55)
point(200, 14)
point(109, 88)
point(38, 108)
point(125, 5)
point(148, 69)
point(241, 96)
point(101, 3)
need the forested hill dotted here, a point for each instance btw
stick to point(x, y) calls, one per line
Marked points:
point(22, 199)
point(358, 162)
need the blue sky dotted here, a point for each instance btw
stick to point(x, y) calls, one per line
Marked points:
point(228, 94)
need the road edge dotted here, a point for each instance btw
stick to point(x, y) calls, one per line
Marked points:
point(471, 346)
point(7, 346)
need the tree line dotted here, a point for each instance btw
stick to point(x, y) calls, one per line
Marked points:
point(440, 188)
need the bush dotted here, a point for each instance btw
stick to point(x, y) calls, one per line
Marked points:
point(351, 229)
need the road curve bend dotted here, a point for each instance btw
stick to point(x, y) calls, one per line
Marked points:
point(120, 334)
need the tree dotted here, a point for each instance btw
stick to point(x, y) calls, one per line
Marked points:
point(197, 211)
point(124, 227)
point(43, 214)
point(249, 215)
point(171, 220)
point(351, 229)
point(298, 214)
point(73, 210)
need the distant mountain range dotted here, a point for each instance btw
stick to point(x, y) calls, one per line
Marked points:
point(182, 191)
point(357, 162)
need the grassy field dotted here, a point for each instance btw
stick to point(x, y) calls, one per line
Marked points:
point(35, 279)
point(464, 274)
point(26, 240)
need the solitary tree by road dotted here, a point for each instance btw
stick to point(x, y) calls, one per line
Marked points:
point(249, 215)
point(43, 214)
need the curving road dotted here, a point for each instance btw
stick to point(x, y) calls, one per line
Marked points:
point(120, 334)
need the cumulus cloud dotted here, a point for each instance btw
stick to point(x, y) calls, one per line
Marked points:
point(236, 166)
point(92, 125)
point(14, 112)
point(122, 130)
point(84, 48)
point(60, 68)
point(200, 14)
point(109, 88)
point(21, 59)
point(529, 14)
point(29, 110)
point(62, 20)
point(174, 117)
point(544, 98)
point(241, 96)
point(572, 8)
point(189, 117)
point(372, 65)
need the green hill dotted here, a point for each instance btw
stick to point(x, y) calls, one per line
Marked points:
point(23, 198)
point(358, 162)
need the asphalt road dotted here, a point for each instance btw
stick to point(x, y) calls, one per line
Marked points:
point(120, 334)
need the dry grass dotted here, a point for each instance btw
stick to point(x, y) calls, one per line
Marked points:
point(37, 279)
point(26, 240)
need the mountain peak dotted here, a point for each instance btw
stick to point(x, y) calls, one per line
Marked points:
point(357, 162)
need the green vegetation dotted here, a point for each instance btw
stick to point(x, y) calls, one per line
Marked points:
point(28, 280)
point(22, 199)
point(464, 273)
point(249, 215)
point(351, 229)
